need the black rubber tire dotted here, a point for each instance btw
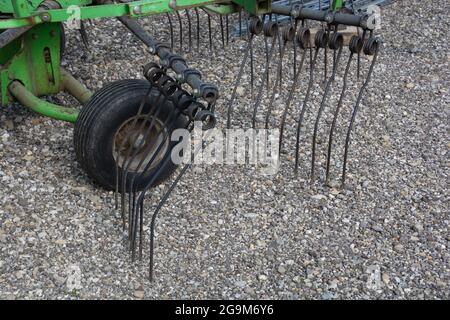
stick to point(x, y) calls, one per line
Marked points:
point(101, 118)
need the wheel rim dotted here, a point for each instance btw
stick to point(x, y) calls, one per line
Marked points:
point(130, 140)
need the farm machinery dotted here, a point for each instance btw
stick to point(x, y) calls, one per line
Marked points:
point(122, 132)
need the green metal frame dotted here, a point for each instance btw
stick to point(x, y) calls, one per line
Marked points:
point(28, 16)
point(30, 64)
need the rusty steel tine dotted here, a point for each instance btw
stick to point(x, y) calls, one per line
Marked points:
point(172, 119)
point(238, 80)
point(266, 50)
point(295, 48)
point(84, 35)
point(321, 41)
point(189, 28)
point(325, 58)
point(261, 87)
point(358, 68)
point(170, 30)
point(152, 112)
point(251, 71)
point(373, 51)
point(116, 191)
point(221, 31)
point(135, 208)
point(274, 89)
point(209, 31)
point(155, 214)
point(161, 203)
point(263, 82)
point(141, 228)
point(280, 46)
point(147, 133)
point(338, 39)
point(252, 76)
point(295, 57)
point(174, 116)
point(198, 28)
point(288, 36)
point(141, 197)
point(303, 110)
point(130, 158)
point(227, 28)
point(291, 95)
point(180, 24)
point(336, 112)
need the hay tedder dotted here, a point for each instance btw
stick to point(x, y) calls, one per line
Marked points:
point(122, 132)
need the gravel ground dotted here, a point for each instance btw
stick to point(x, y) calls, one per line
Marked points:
point(230, 232)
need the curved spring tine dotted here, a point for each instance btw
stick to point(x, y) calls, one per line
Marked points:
point(130, 157)
point(290, 96)
point(319, 113)
point(336, 112)
point(209, 31)
point(141, 228)
point(358, 68)
point(305, 102)
point(170, 120)
point(295, 56)
point(189, 28)
point(180, 24)
point(263, 82)
point(155, 214)
point(252, 76)
point(170, 30)
point(238, 80)
point(274, 89)
point(198, 28)
point(279, 79)
point(124, 166)
point(294, 42)
point(227, 28)
point(122, 145)
point(161, 203)
point(135, 209)
point(280, 47)
point(221, 31)
point(266, 50)
point(355, 110)
point(140, 201)
point(116, 189)
point(325, 58)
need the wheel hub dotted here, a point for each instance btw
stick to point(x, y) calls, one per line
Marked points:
point(136, 142)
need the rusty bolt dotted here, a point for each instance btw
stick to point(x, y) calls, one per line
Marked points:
point(137, 10)
point(45, 17)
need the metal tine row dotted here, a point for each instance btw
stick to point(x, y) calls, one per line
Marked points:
point(208, 122)
point(270, 29)
point(326, 39)
point(334, 43)
point(223, 21)
point(188, 109)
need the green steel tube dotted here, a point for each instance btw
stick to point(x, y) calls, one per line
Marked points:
point(74, 87)
point(45, 108)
